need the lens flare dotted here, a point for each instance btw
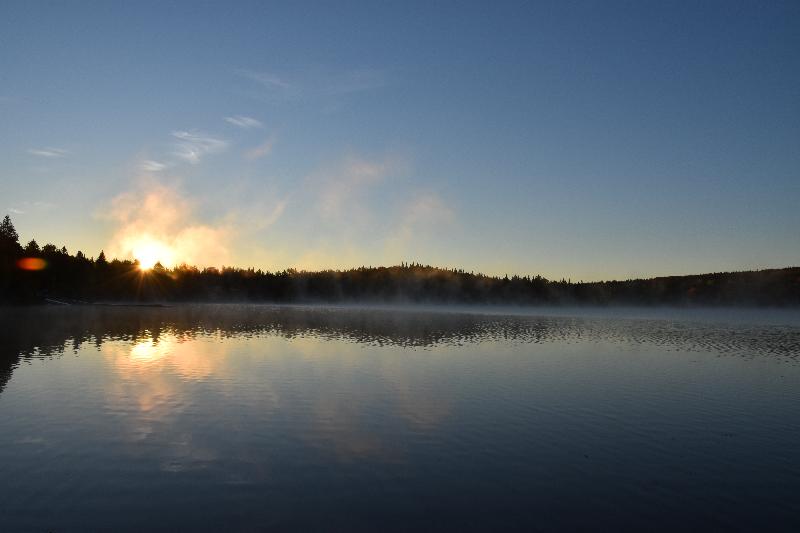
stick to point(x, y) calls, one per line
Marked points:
point(32, 263)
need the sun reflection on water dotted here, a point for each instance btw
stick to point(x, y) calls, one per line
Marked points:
point(148, 350)
point(160, 378)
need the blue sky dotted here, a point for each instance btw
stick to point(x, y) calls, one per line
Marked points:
point(587, 140)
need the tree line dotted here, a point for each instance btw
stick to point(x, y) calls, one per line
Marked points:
point(35, 274)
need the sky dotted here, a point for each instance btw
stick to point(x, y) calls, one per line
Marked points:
point(581, 140)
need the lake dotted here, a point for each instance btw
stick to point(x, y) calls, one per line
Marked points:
point(250, 418)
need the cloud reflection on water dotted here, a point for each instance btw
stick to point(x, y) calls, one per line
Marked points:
point(156, 387)
point(292, 405)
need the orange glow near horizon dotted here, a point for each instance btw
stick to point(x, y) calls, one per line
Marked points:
point(32, 263)
point(155, 224)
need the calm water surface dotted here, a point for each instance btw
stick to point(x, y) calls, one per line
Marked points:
point(249, 418)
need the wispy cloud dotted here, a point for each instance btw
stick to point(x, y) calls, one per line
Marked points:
point(151, 165)
point(258, 215)
point(338, 187)
point(425, 215)
point(193, 146)
point(49, 152)
point(317, 83)
point(339, 213)
point(273, 215)
point(266, 79)
point(262, 150)
point(26, 207)
point(244, 122)
point(427, 207)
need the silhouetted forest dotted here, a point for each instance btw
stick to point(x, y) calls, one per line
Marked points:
point(34, 274)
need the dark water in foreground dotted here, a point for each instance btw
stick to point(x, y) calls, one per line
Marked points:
point(212, 418)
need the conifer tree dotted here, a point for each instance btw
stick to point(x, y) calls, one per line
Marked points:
point(8, 230)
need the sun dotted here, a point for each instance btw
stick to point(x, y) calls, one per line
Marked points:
point(148, 252)
point(147, 258)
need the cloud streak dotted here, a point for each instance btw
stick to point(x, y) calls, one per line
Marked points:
point(150, 165)
point(266, 79)
point(244, 122)
point(317, 83)
point(262, 150)
point(339, 187)
point(27, 207)
point(49, 152)
point(193, 146)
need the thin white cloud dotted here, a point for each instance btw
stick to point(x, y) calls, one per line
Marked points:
point(193, 146)
point(244, 122)
point(26, 207)
point(318, 83)
point(266, 79)
point(263, 149)
point(150, 165)
point(48, 152)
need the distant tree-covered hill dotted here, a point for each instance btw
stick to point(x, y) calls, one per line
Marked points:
point(33, 274)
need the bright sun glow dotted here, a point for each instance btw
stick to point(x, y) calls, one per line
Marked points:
point(145, 351)
point(149, 252)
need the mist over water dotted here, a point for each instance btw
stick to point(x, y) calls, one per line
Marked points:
point(247, 417)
